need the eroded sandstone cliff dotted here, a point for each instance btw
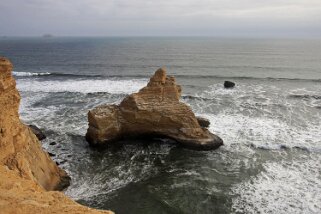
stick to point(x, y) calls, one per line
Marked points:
point(19, 147)
point(26, 171)
point(154, 111)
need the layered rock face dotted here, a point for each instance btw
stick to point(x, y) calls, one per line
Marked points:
point(154, 111)
point(19, 148)
point(20, 195)
point(26, 171)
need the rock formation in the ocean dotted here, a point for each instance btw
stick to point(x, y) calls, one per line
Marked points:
point(154, 111)
point(26, 171)
point(229, 84)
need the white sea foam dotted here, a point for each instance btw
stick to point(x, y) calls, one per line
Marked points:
point(286, 187)
point(83, 86)
point(27, 74)
point(240, 90)
point(26, 103)
point(92, 186)
point(261, 132)
point(261, 116)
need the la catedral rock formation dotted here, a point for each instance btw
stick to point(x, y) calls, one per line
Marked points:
point(154, 111)
point(27, 174)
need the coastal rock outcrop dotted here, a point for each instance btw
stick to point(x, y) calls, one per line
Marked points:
point(26, 171)
point(229, 84)
point(155, 111)
point(205, 123)
point(20, 148)
point(40, 135)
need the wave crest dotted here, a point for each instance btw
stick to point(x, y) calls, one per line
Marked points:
point(82, 85)
point(29, 74)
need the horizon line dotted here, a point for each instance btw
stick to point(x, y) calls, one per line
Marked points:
point(49, 36)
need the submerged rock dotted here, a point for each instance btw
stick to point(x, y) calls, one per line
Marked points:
point(51, 154)
point(155, 111)
point(40, 135)
point(229, 84)
point(205, 123)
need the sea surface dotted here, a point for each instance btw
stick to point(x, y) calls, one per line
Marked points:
point(270, 122)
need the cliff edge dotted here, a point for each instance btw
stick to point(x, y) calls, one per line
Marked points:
point(27, 173)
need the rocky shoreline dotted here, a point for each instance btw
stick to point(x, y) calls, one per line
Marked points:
point(28, 175)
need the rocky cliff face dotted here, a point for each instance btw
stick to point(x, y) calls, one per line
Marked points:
point(154, 111)
point(20, 149)
point(26, 171)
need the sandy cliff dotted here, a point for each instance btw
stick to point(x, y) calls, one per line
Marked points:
point(27, 174)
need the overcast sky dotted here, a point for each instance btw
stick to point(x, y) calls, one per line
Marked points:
point(250, 18)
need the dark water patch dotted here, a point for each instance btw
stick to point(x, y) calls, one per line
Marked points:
point(244, 78)
point(151, 199)
point(305, 96)
point(288, 148)
point(192, 97)
point(141, 142)
point(303, 148)
point(182, 183)
point(143, 201)
point(111, 95)
point(75, 99)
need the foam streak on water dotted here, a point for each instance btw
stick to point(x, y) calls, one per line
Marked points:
point(27, 74)
point(236, 129)
point(286, 187)
point(82, 86)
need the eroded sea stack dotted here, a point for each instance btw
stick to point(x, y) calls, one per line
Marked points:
point(26, 171)
point(155, 111)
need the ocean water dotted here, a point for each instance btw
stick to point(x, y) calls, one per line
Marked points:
point(270, 122)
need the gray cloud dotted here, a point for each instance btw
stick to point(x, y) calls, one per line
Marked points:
point(166, 17)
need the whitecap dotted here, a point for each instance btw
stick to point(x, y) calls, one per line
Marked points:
point(263, 132)
point(82, 86)
point(28, 74)
point(286, 187)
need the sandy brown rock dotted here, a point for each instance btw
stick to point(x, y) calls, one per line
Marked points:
point(20, 149)
point(154, 111)
point(23, 196)
point(26, 171)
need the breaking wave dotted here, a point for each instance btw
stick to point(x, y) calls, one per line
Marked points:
point(29, 74)
point(82, 86)
point(286, 187)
